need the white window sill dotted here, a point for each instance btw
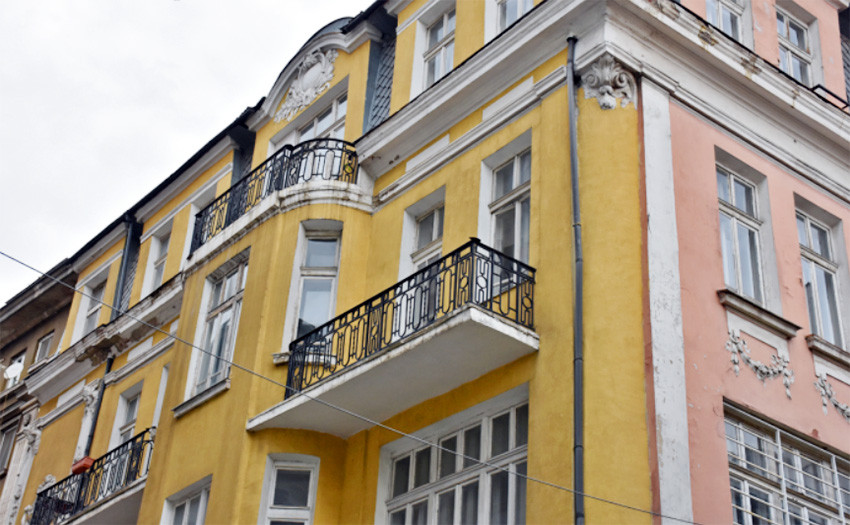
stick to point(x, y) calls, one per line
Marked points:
point(201, 398)
point(820, 346)
point(757, 313)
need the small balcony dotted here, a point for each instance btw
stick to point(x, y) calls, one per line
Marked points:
point(460, 317)
point(109, 492)
point(317, 159)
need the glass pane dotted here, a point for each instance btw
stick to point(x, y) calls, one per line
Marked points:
point(397, 518)
point(422, 470)
point(730, 23)
point(132, 410)
point(820, 241)
point(525, 167)
point(425, 232)
point(828, 306)
point(748, 250)
point(759, 505)
point(324, 121)
point(801, 231)
point(469, 504)
point(321, 253)
point(808, 284)
point(471, 446)
point(744, 198)
point(291, 488)
point(341, 107)
point(505, 233)
point(504, 180)
point(230, 283)
point(811, 475)
point(799, 69)
point(511, 12)
point(500, 437)
point(723, 186)
point(308, 132)
point(401, 476)
point(448, 58)
point(420, 513)
point(524, 222)
point(194, 508)
point(711, 12)
point(503, 16)
point(783, 60)
point(216, 294)
point(435, 34)
point(448, 460)
point(726, 245)
point(780, 24)
point(737, 502)
point(521, 425)
point(499, 498)
point(446, 508)
point(179, 511)
point(797, 35)
point(315, 304)
point(450, 22)
point(520, 494)
point(431, 73)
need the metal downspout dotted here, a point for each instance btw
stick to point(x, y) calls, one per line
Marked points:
point(109, 361)
point(578, 297)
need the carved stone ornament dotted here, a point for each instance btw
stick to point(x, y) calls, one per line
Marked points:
point(89, 395)
point(607, 81)
point(49, 481)
point(31, 432)
point(827, 396)
point(314, 76)
point(778, 365)
point(27, 517)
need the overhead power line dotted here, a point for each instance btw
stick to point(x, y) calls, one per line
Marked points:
point(344, 410)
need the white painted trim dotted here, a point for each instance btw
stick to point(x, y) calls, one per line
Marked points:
point(286, 460)
point(69, 394)
point(665, 305)
point(121, 412)
point(408, 228)
point(160, 395)
point(823, 366)
point(202, 485)
point(737, 324)
point(428, 153)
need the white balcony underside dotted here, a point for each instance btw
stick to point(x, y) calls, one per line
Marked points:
point(118, 509)
point(463, 346)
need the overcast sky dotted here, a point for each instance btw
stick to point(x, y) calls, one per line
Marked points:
point(100, 100)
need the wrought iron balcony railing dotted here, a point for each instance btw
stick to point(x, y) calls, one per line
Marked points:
point(325, 159)
point(472, 274)
point(110, 473)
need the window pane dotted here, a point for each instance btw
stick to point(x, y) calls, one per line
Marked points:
point(797, 35)
point(291, 488)
point(500, 437)
point(520, 495)
point(759, 506)
point(780, 24)
point(397, 518)
point(726, 245)
point(730, 23)
point(446, 508)
point(521, 425)
point(820, 241)
point(808, 284)
point(435, 34)
point(812, 475)
point(425, 232)
point(422, 471)
point(505, 233)
point(401, 476)
point(179, 511)
point(737, 502)
point(524, 223)
point(450, 22)
point(420, 513)
point(744, 198)
point(315, 304)
point(469, 504)
point(801, 231)
point(503, 15)
point(194, 508)
point(711, 12)
point(828, 306)
point(321, 253)
point(308, 132)
point(448, 460)
point(723, 186)
point(748, 251)
point(511, 14)
point(499, 498)
point(431, 74)
point(525, 167)
point(448, 57)
point(324, 121)
point(341, 107)
point(504, 180)
point(471, 446)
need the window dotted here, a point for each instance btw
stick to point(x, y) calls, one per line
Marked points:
point(763, 459)
point(42, 350)
point(739, 234)
point(289, 491)
point(450, 484)
point(189, 506)
point(159, 253)
point(225, 288)
point(726, 15)
point(429, 238)
point(128, 421)
point(318, 282)
point(819, 278)
point(94, 304)
point(330, 123)
point(14, 370)
point(439, 55)
point(795, 54)
point(7, 441)
point(511, 206)
point(511, 10)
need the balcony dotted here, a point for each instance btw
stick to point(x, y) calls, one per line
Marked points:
point(453, 321)
point(109, 492)
point(317, 159)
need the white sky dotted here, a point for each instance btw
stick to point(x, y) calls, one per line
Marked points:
point(100, 100)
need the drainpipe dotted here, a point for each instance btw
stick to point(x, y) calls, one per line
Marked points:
point(133, 230)
point(83, 464)
point(578, 297)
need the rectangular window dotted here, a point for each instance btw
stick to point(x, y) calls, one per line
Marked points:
point(819, 278)
point(44, 346)
point(94, 304)
point(14, 370)
point(511, 206)
point(739, 235)
point(726, 15)
point(330, 123)
point(191, 509)
point(429, 238)
point(763, 459)
point(318, 283)
point(7, 441)
point(451, 485)
point(224, 304)
point(128, 423)
point(795, 54)
point(159, 254)
point(511, 10)
point(289, 489)
point(439, 56)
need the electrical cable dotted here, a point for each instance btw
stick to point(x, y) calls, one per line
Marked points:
point(342, 409)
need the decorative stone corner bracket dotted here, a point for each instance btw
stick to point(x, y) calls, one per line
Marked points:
point(827, 396)
point(314, 76)
point(778, 365)
point(607, 81)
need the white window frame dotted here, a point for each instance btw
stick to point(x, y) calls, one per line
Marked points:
point(7, 444)
point(810, 55)
point(516, 199)
point(431, 250)
point(503, 14)
point(42, 349)
point(211, 312)
point(411, 257)
point(441, 53)
point(336, 128)
point(830, 264)
point(200, 488)
point(121, 424)
point(95, 295)
point(426, 17)
point(268, 511)
point(736, 9)
point(454, 426)
point(157, 260)
point(17, 359)
point(98, 277)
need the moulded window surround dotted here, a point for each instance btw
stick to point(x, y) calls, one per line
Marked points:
point(777, 477)
point(126, 415)
point(7, 441)
point(739, 235)
point(820, 278)
point(157, 257)
point(289, 489)
point(43, 347)
point(13, 372)
point(798, 44)
point(434, 44)
point(188, 506)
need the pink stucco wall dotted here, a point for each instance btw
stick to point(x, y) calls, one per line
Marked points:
point(709, 373)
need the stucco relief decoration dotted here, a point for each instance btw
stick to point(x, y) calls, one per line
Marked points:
point(827, 396)
point(314, 76)
point(668, 7)
point(607, 81)
point(778, 366)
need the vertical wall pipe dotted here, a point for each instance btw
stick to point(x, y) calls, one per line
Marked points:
point(109, 361)
point(578, 297)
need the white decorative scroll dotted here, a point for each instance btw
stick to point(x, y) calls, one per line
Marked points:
point(778, 367)
point(314, 76)
point(827, 396)
point(26, 446)
point(89, 395)
point(607, 81)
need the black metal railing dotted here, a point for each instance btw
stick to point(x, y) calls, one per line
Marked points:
point(325, 159)
point(110, 473)
point(472, 274)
